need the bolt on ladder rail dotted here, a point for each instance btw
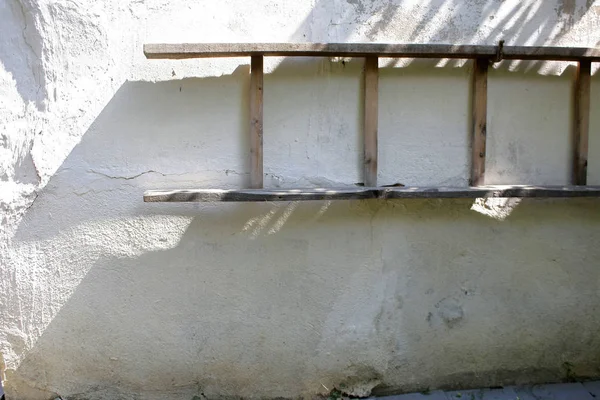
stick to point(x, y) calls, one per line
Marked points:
point(482, 56)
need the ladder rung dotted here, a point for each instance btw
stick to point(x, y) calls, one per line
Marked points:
point(581, 122)
point(256, 122)
point(371, 117)
point(479, 122)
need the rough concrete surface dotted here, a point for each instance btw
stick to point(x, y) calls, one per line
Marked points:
point(105, 297)
point(559, 391)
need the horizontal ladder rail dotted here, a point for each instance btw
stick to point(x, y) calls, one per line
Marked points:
point(207, 50)
point(362, 193)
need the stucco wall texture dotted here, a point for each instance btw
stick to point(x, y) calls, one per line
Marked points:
point(105, 297)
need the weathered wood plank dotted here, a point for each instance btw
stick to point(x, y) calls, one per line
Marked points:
point(199, 50)
point(209, 195)
point(371, 117)
point(518, 191)
point(212, 195)
point(581, 122)
point(256, 122)
point(479, 121)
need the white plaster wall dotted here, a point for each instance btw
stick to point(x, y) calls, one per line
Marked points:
point(104, 297)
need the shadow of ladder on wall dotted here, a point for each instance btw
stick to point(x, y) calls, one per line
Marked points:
point(482, 57)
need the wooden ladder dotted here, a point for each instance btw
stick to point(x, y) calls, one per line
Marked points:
point(482, 57)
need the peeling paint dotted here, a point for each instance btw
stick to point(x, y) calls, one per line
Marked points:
point(567, 7)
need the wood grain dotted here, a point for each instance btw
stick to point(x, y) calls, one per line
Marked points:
point(479, 121)
point(256, 122)
point(581, 122)
point(371, 98)
point(221, 195)
point(199, 50)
